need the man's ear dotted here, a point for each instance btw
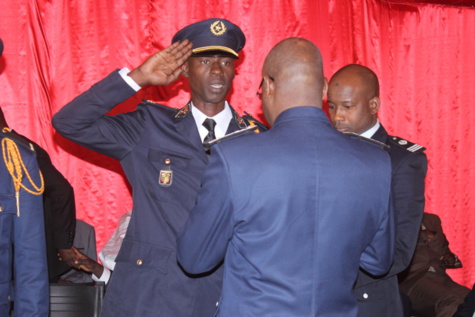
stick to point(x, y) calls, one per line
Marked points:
point(269, 85)
point(374, 104)
point(325, 88)
point(184, 69)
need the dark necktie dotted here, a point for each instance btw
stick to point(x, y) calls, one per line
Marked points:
point(209, 124)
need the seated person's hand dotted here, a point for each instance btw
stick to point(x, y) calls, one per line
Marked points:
point(68, 257)
point(87, 264)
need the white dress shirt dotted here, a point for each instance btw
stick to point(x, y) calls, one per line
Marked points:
point(222, 119)
point(369, 133)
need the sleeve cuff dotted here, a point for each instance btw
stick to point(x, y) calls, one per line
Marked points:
point(106, 274)
point(123, 73)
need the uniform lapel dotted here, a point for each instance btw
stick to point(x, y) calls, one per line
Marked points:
point(381, 135)
point(186, 126)
point(236, 123)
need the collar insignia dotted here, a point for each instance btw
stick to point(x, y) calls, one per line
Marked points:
point(240, 122)
point(183, 111)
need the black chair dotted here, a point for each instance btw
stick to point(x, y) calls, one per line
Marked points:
point(76, 300)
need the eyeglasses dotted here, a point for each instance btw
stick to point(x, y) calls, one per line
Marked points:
point(259, 91)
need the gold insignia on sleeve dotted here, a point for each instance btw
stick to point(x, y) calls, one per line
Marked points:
point(218, 28)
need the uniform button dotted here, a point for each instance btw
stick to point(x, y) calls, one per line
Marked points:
point(365, 295)
point(402, 142)
point(167, 161)
point(1, 208)
point(217, 304)
point(139, 262)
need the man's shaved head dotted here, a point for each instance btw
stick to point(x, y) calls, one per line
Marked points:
point(353, 99)
point(292, 77)
point(366, 76)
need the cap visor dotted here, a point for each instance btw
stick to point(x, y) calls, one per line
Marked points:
point(214, 48)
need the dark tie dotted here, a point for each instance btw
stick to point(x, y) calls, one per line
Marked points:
point(209, 124)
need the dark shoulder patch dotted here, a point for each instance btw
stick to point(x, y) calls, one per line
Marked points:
point(382, 145)
point(406, 145)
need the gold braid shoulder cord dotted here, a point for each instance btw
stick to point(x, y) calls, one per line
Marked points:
point(16, 168)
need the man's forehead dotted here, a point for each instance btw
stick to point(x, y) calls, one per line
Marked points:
point(348, 85)
point(344, 87)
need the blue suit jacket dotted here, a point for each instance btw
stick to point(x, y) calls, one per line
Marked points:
point(22, 238)
point(294, 212)
point(163, 157)
point(379, 297)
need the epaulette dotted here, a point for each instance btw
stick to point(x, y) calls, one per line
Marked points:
point(173, 111)
point(7, 133)
point(406, 145)
point(233, 134)
point(246, 124)
point(384, 146)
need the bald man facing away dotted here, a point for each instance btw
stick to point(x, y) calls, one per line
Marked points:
point(274, 209)
point(353, 100)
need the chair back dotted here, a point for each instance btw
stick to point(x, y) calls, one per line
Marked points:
point(76, 300)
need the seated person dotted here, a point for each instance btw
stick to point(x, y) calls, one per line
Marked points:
point(85, 242)
point(101, 273)
point(430, 288)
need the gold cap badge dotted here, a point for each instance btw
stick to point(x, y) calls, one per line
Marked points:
point(218, 28)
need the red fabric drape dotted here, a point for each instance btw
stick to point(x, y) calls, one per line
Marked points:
point(422, 53)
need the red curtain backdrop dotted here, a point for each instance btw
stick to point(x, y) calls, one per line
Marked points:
point(423, 54)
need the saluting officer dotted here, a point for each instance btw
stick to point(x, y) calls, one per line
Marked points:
point(161, 151)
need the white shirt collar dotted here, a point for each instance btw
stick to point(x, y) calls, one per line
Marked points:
point(222, 121)
point(369, 133)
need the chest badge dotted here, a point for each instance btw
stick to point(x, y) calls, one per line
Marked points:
point(165, 177)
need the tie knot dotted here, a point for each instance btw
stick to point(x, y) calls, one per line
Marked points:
point(209, 124)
